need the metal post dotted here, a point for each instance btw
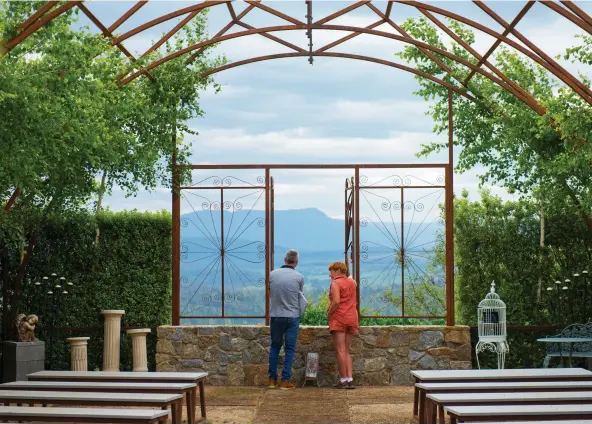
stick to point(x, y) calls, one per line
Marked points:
point(356, 244)
point(450, 218)
point(267, 242)
point(402, 253)
point(346, 233)
point(176, 272)
point(222, 258)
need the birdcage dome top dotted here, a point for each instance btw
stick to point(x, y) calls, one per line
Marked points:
point(492, 299)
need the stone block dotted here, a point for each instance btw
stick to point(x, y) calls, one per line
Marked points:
point(177, 335)
point(399, 339)
point(462, 353)
point(22, 358)
point(461, 365)
point(373, 364)
point(225, 342)
point(458, 337)
point(236, 374)
point(238, 344)
point(256, 375)
point(430, 339)
point(165, 347)
point(193, 363)
point(383, 339)
point(255, 354)
point(208, 340)
point(208, 330)
point(401, 375)
point(415, 356)
point(427, 363)
point(440, 351)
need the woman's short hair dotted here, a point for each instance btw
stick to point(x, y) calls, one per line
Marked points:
point(338, 266)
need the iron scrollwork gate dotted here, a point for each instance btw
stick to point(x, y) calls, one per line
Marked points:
point(395, 243)
point(225, 255)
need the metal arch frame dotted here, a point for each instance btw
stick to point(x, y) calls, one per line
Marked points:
point(569, 11)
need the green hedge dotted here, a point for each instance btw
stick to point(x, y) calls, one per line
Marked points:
point(129, 268)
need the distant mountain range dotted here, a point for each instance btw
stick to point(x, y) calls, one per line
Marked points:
point(319, 239)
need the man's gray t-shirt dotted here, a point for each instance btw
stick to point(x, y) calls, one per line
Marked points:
point(284, 285)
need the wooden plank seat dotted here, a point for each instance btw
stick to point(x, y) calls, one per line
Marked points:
point(493, 376)
point(436, 402)
point(538, 422)
point(505, 413)
point(82, 415)
point(163, 401)
point(197, 378)
point(499, 387)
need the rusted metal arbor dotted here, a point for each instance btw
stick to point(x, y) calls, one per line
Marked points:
point(461, 87)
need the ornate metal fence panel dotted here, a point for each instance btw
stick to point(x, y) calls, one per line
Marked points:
point(401, 246)
point(224, 249)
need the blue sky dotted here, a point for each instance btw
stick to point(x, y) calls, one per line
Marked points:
point(335, 111)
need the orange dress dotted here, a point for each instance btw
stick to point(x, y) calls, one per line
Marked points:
point(345, 317)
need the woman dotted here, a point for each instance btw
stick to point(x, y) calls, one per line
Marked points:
point(343, 320)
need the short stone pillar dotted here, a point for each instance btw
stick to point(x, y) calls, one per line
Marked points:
point(112, 339)
point(78, 353)
point(140, 355)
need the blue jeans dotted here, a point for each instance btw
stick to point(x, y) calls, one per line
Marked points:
point(279, 328)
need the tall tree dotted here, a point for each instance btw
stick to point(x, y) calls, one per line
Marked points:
point(548, 155)
point(66, 123)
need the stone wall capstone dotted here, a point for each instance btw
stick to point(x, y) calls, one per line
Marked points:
point(382, 355)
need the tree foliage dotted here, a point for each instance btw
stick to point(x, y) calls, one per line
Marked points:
point(549, 156)
point(66, 123)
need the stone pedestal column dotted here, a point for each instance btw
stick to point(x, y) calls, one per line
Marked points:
point(78, 353)
point(139, 348)
point(112, 339)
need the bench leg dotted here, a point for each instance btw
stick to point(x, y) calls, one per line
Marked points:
point(202, 399)
point(422, 407)
point(175, 412)
point(190, 416)
point(415, 401)
point(442, 417)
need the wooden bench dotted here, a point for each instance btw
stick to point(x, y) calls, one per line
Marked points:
point(503, 387)
point(436, 402)
point(538, 422)
point(82, 415)
point(197, 378)
point(163, 401)
point(505, 413)
point(494, 375)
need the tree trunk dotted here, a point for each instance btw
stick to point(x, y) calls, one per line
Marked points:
point(12, 199)
point(6, 321)
point(541, 254)
point(100, 204)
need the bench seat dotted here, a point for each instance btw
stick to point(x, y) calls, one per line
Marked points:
point(82, 415)
point(505, 413)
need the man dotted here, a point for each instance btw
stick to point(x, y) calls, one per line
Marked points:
point(285, 285)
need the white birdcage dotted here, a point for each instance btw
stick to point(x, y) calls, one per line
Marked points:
point(492, 317)
point(492, 327)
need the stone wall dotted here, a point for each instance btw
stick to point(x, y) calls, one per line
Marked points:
point(238, 355)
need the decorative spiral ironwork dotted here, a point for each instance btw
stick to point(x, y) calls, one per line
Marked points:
point(364, 222)
point(215, 205)
point(418, 206)
point(227, 205)
point(239, 298)
point(184, 280)
point(440, 179)
point(364, 282)
point(184, 222)
point(363, 179)
point(217, 297)
point(238, 206)
point(260, 282)
point(261, 222)
point(260, 179)
point(396, 205)
point(440, 221)
point(386, 205)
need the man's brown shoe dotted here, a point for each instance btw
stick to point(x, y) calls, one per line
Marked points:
point(271, 384)
point(286, 385)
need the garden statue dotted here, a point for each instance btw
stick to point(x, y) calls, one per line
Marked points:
point(25, 327)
